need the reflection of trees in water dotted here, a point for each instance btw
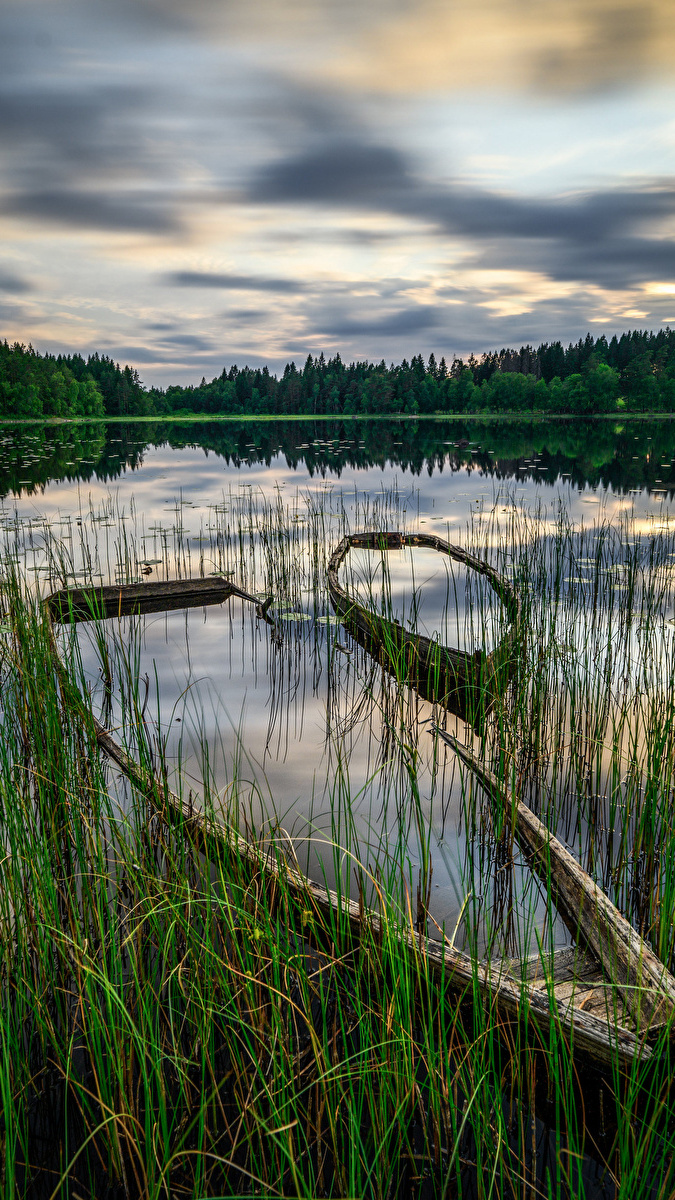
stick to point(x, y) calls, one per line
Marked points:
point(593, 452)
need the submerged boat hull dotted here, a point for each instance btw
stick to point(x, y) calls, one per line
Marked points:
point(467, 685)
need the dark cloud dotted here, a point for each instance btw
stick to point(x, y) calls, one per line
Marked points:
point(12, 313)
point(249, 283)
point(132, 353)
point(594, 237)
point(92, 210)
point(611, 262)
point(72, 144)
point(410, 320)
point(190, 341)
point(348, 173)
point(12, 283)
point(366, 237)
point(86, 125)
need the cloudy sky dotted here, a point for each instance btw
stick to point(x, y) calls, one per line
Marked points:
point(192, 183)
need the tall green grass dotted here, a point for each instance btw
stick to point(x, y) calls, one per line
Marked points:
point(172, 1025)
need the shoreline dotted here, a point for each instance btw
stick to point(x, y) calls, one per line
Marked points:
point(231, 418)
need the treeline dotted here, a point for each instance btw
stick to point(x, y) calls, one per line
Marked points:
point(632, 373)
point(635, 372)
point(36, 385)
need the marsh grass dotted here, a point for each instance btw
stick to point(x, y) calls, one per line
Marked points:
point(173, 1026)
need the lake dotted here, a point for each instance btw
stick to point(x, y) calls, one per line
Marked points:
point(291, 724)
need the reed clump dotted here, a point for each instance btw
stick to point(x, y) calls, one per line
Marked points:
point(168, 1026)
point(173, 1025)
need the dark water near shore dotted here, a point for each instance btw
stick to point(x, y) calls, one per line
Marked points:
point(295, 724)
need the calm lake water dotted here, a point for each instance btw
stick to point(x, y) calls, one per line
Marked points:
point(292, 723)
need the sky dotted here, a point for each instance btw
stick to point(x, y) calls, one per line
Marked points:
point(188, 184)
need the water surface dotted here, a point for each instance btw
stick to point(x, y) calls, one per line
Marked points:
point(293, 724)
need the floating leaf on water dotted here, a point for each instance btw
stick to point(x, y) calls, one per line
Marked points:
point(326, 621)
point(293, 616)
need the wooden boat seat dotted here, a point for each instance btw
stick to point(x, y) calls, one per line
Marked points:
point(576, 980)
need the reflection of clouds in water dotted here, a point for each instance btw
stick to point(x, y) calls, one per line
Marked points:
point(266, 707)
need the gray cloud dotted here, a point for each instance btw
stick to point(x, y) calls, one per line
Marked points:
point(249, 283)
point(190, 341)
point(592, 237)
point(92, 210)
point(612, 262)
point(398, 324)
point(344, 173)
point(9, 282)
point(87, 125)
point(75, 140)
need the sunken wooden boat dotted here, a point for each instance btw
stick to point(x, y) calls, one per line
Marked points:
point(610, 974)
point(609, 997)
point(72, 605)
point(467, 685)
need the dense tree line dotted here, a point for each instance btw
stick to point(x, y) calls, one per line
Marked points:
point(32, 385)
point(634, 373)
point(36, 385)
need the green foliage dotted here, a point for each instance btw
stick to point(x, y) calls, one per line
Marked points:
point(35, 386)
point(635, 372)
point(177, 1028)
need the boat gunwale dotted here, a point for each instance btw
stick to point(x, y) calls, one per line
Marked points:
point(464, 683)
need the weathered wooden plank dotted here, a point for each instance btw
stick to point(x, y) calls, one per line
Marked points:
point(88, 604)
point(441, 961)
point(581, 967)
point(577, 989)
point(647, 987)
point(605, 1002)
point(570, 962)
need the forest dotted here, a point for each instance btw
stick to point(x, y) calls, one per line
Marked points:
point(631, 373)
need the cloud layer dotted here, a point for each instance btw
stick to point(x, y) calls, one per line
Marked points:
point(241, 181)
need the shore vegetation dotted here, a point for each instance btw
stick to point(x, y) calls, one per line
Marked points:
point(633, 373)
